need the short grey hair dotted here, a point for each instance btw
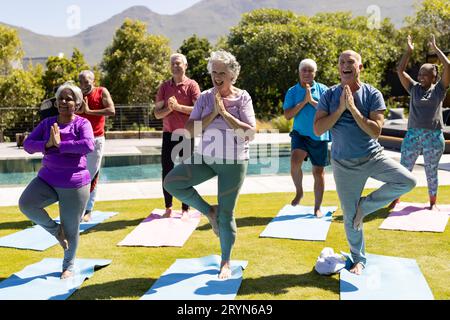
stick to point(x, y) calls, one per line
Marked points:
point(78, 95)
point(178, 55)
point(228, 59)
point(307, 62)
point(87, 74)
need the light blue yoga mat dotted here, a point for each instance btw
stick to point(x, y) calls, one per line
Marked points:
point(40, 281)
point(197, 279)
point(36, 238)
point(386, 278)
point(300, 223)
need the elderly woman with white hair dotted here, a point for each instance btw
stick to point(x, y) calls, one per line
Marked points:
point(225, 118)
point(300, 103)
point(64, 140)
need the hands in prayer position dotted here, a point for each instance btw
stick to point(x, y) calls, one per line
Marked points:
point(219, 107)
point(308, 96)
point(55, 138)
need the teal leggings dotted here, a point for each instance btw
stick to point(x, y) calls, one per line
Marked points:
point(39, 195)
point(180, 180)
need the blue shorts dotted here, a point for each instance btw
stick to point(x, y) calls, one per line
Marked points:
point(317, 150)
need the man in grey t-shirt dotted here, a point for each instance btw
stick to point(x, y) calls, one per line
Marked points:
point(354, 111)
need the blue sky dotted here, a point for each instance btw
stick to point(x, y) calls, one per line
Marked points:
point(69, 17)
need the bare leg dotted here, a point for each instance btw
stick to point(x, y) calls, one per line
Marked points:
point(393, 204)
point(319, 188)
point(87, 216)
point(185, 214)
point(168, 213)
point(297, 158)
point(225, 270)
point(66, 274)
point(433, 205)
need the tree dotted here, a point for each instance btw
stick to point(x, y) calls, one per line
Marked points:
point(270, 43)
point(20, 92)
point(432, 17)
point(135, 64)
point(62, 69)
point(10, 49)
point(21, 88)
point(197, 51)
point(221, 44)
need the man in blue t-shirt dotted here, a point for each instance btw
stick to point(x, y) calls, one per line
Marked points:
point(354, 111)
point(300, 103)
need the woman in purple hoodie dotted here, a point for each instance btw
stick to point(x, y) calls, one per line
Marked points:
point(64, 140)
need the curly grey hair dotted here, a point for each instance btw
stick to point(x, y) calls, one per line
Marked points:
point(78, 95)
point(228, 59)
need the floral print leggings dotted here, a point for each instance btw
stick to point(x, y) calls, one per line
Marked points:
point(431, 144)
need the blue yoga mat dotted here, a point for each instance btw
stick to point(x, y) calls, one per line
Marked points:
point(196, 279)
point(385, 278)
point(40, 281)
point(36, 238)
point(300, 223)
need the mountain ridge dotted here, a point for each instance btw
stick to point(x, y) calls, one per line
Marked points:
point(207, 18)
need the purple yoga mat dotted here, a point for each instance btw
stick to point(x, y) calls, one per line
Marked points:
point(156, 231)
point(416, 217)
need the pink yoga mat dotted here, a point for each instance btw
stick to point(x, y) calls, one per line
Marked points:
point(156, 231)
point(416, 217)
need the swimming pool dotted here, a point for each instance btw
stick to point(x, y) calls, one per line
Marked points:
point(145, 167)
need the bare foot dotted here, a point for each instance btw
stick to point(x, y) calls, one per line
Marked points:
point(212, 218)
point(318, 213)
point(62, 238)
point(359, 216)
point(393, 204)
point(434, 207)
point(225, 270)
point(297, 198)
point(66, 274)
point(357, 268)
point(87, 216)
point(185, 215)
point(168, 213)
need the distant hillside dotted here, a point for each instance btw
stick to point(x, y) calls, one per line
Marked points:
point(208, 18)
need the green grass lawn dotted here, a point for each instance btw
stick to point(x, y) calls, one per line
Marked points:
point(277, 269)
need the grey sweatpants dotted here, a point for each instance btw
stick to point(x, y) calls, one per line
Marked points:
point(38, 195)
point(351, 176)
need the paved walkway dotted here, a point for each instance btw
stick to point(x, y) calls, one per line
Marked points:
point(152, 189)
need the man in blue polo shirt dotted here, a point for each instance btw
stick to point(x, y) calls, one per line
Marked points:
point(300, 103)
point(354, 111)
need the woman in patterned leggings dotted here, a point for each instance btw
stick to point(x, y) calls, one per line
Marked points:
point(425, 121)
